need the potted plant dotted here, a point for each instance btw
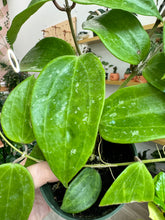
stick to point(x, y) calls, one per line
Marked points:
point(128, 73)
point(64, 110)
point(140, 78)
point(11, 78)
point(114, 76)
point(106, 66)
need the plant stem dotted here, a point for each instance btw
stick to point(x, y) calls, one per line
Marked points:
point(68, 11)
point(134, 72)
point(124, 164)
point(22, 153)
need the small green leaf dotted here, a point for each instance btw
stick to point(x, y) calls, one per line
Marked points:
point(155, 70)
point(134, 184)
point(15, 117)
point(134, 114)
point(154, 212)
point(123, 36)
point(83, 191)
point(143, 7)
point(36, 153)
point(43, 52)
point(21, 18)
point(16, 192)
point(67, 110)
point(159, 198)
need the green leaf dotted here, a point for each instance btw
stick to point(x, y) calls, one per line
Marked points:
point(134, 184)
point(36, 153)
point(154, 212)
point(164, 37)
point(159, 198)
point(21, 18)
point(123, 36)
point(155, 70)
point(43, 52)
point(83, 191)
point(134, 114)
point(143, 7)
point(67, 110)
point(16, 192)
point(15, 117)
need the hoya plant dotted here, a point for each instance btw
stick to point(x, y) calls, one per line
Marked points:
point(65, 109)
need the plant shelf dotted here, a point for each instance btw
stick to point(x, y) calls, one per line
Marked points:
point(131, 83)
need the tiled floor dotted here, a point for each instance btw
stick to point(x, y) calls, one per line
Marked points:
point(133, 211)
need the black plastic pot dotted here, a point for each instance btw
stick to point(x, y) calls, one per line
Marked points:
point(112, 153)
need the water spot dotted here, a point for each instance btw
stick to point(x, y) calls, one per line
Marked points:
point(78, 108)
point(63, 108)
point(112, 122)
point(77, 85)
point(73, 151)
point(135, 133)
point(50, 76)
point(93, 101)
point(113, 114)
point(85, 119)
point(75, 112)
point(51, 119)
point(121, 102)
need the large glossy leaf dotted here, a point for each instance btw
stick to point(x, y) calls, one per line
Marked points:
point(20, 19)
point(123, 36)
point(155, 70)
point(43, 52)
point(143, 7)
point(134, 114)
point(67, 103)
point(83, 191)
point(154, 212)
point(16, 192)
point(159, 198)
point(15, 117)
point(134, 184)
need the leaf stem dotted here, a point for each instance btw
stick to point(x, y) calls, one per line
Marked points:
point(124, 164)
point(134, 73)
point(68, 11)
point(22, 153)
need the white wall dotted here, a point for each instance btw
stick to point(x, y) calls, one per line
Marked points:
point(48, 15)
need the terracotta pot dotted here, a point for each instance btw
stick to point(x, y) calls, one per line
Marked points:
point(114, 76)
point(141, 79)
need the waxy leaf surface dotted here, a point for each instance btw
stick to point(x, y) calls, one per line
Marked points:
point(143, 7)
point(154, 212)
point(134, 184)
point(16, 192)
point(67, 110)
point(21, 18)
point(15, 117)
point(155, 70)
point(83, 191)
point(134, 114)
point(123, 36)
point(43, 52)
point(159, 198)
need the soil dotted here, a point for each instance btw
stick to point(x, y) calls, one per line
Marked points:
point(112, 153)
